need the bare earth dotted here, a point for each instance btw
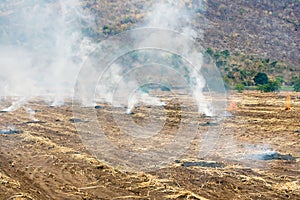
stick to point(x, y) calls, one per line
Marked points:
point(49, 161)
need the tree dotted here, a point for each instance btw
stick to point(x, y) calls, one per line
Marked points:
point(273, 64)
point(261, 78)
point(297, 85)
point(271, 86)
point(243, 74)
point(210, 51)
point(225, 54)
point(220, 63)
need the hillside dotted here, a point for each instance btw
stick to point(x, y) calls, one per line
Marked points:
point(264, 36)
point(260, 35)
point(269, 29)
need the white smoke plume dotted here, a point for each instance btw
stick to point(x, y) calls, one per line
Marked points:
point(172, 15)
point(42, 48)
point(144, 98)
point(31, 114)
point(176, 15)
point(164, 15)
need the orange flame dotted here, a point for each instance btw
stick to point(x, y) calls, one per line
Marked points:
point(288, 102)
point(232, 106)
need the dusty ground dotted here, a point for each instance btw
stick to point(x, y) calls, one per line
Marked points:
point(49, 161)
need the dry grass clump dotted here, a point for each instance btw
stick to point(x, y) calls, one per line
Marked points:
point(8, 182)
point(20, 196)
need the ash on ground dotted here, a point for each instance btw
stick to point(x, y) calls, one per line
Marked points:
point(10, 131)
point(273, 155)
point(209, 164)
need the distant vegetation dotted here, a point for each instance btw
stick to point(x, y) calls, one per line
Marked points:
point(271, 86)
point(239, 87)
point(297, 85)
point(261, 78)
point(251, 71)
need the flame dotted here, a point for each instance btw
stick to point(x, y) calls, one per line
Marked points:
point(288, 102)
point(232, 106)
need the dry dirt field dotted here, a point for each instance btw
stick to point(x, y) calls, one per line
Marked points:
point(257, 156)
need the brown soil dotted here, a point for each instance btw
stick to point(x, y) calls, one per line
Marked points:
point(49, 161)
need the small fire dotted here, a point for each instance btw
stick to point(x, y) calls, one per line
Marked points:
point(288, 102)
point(232, 106)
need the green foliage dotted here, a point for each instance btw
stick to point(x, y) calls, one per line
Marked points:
point(217, 55)
point(271, 86)
point(273, 64)
point(247, 83)
point(267, 60)
point(287, 88)
point(239, 87)
point(107, 30)
point(297, 85)
point(261, 78)
point(261, 66)
point(225, 54)
point(242, 10)
point(230, 75)
point(104, 28)
point(209, 51)
point(249, 69)
point(226, 82)
point(243, 74)
point(126, 20)
point(220, 63)
point(280, 79)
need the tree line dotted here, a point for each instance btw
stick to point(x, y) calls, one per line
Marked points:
point(241, 71)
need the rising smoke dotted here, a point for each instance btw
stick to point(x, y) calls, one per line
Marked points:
point(42, 48)
point(178, 16)
point(164, 15)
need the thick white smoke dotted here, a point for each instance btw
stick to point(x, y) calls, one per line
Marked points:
point(176, 15)
point(173, 15)
point(41, 48)
point(165, 15)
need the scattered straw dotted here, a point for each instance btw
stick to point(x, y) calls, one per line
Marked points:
point(290, 186)
point(5, 180)
point(20, 197)
point(131, 197)
point(187, 194)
